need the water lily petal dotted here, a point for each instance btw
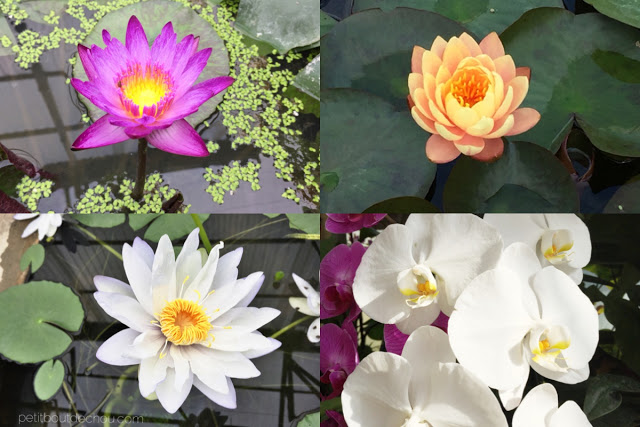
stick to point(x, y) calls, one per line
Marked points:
point(248, 319)
point(226, 400)
point(179, 138)
point(472, 45)
point(136, 41)
point(449, 133)
point(146, 345)
point(524, 71)
point(440, 150)
point(470, 145)
point(232, 363)
point(180, 366)
point(492, 150)
point(256, 283)
point(182, 53)
point(170, 397)
point(163, 47)
point(501, 127)
point(192, 70)
point(416, 59)
point(113, 350)
point(139, 275)
point(207, 372)
point(126, 310)
point(423, 121)
point(99, 134)
point(505, 67)
point(201, 284)
point(422, 103)
point(455, 52)
point(415, 82)
point(152, 371)
point(520, 86)
point(463, 117)
point(163, 274)
point(87, 62)
point(274, 344)
point(524, 119)
point(430, 63)
point(144, 251)
point(438, 46)
point(228, 296)
point(536, 407)
point(227, 271)
point(109, 284)
point(481, 128)
point(492, 46)
point(486, 107)
point(506, 102)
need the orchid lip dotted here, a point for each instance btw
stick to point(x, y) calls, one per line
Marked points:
point(419, 285)
point(547, 343)
point(556, 246)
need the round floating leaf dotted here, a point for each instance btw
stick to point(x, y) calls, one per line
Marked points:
point(174, 225)
point(403, 205)
point(33, 317)
point(374, 152)
point(565, 53)
point(308, 79)
point(100, 220)
point(479, 16)
point(34, 256)
point(137, 221)
point(527, 178)
point(48, 379)
point(627, 11)
point(310, 420)
point(326, 23)
point(354, 57)
point(309, 223)
point(281, 23)
point(626, 199)
point(154, 15)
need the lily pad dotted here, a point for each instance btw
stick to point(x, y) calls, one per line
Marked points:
point(563, 51)
point(626, 199)
point(479, 16)
point(310, 420)
point(355, 58)
point(100, 220)
point(627, 11)
point(373, 152)
point(153, 16)
point(283, 24)
point(308, 79)
point(48, 379)
point(174, 225)
point(309, 223)
point(38, 9)
point(326, 23)
point(527, 178)
point(137, 221)
point(33, 256)
point(33, 320)
point(403, 205)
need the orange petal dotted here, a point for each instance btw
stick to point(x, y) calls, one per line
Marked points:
point(505, 67)
point(524, 71)
point(492, 46)
point(501, 127)
point(443, 75)
point(430, 63)
point(465, 117)
point(438, 115)
point(438, 96)
point(506, 103)
point(410, 102)
point(493, 149)
point(449, 133)
point(498, 89)
point(455, 52)
point(481, 128)
point(524, 119)
point(416, 59)
point(429, 84)
point(520, 87)
point(415, 82)
point(439, 150)
point(486, 62)
point(487, 106)
point(472, 45)
point(422, 121)
point(438, 46)
point(420, 98)
point(470, 145)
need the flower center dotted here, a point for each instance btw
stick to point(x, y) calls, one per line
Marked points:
point(546, 345)
point(184, 322)
point(468, 85)
point(556, 244)
point(419, 285)
point(144, 87)
point(416, 420)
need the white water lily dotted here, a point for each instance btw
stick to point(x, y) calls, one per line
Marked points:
point(310, 305)
point(44, 224)
point(424, 387)
point(188, 321)
point(521, 316)
point(412, 272)
point(561, 240)
point(539, 408)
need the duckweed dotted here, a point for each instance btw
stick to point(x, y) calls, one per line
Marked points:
point(30, 191)
point(229, 179)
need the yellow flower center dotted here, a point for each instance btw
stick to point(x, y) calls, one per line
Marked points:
point(146, 87)
point(468, 86)
point(184, 322)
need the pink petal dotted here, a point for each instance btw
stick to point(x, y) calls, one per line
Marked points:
point(524, 119)
point(106, 37)
point(492, 46)
point(85, 57)
point(196, 96)
point(493, 149)
point(136, 132)
point(439, 150)
point(524, 71)
point(179, 138)
point(470, 145)
point(136, 42)
point(99, 134)
point(416, 59)
point(164, 47)
point(95, 92)
point(192, 70)
point(183, 52)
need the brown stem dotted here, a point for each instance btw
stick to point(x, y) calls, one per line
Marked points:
point(142, 170)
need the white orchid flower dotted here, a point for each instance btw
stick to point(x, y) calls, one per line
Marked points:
point(423, 387)
point(561, 240)
point(412, 272)
point(188, 321)
point(310, 305)
point(539, 408)
point(45, 224)
point(521, 316)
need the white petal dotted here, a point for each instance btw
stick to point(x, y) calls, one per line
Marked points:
point(112, 350)
point(300, 304)
point(55, 219)
point(563, 303)
point(204, 279)
point(43, 227)
point(511, 398)
point(203, 368)
point(111, 285)
point(31, 228)
point(488, 325)
point(125, 309)
point(139, 276)
point(147, 344)
point(302, 284)
point(313, 333)
point(574, 273)
point(229, 340)
point(152, 371)
point(23, 216)
point(247, 319)
point(52, 230)
point(419, 316)
point(253, 291)
point(572, 376)
point(525, 228)
point(144, 251)
point(375, 285)
point(190, 246)
point(226, 400)
point(180, 365)
point(376, 393)
point(227, 271)
point(163, 275)
point(581, 251)
point(169, 396)
point(274, 344)
point(186, 272)
point(232, 364)
point(227, 297)
point(521, 259)
point(536, 407)
point(569, 414)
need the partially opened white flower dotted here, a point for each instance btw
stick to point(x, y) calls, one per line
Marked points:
point(518, 316)
point(411, 272)
point(188, 321)
point(423, 387)
point(45, 224)
point(539, 408)
point(309, 306)
point(561, 240)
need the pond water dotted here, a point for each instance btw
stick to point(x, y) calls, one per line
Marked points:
point(287, 388)
point(44, 118)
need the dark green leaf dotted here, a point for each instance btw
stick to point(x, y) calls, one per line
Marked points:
point(174, 225)
point(309, 223)
point(627, 11)
point(100, 220)
point(403, 205)
point(326, 23)
point(308, 79)
point(137, 221)
point(48, 379)
point(603, 393)
point(10, 176)
point(34, 256)
point(626, 199)
point(625, 316)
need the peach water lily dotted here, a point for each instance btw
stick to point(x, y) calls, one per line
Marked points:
point(145, 91)
point(188, 321)
point(468, 96)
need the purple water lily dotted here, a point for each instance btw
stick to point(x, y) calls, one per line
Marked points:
point(337, 271)
point(338, 356)
point(348, 223)
point(146, 91)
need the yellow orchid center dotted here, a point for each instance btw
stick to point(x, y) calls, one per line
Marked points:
point(184, 322)
point(468, 85)
point(556, 244)
point(144, 88)
point(419, 285)
point(546, 346)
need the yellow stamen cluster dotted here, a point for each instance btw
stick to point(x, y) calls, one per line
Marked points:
point(469, 86)
point(184, 322)
point(554, 253)
point(546, 349)
point(144, 87)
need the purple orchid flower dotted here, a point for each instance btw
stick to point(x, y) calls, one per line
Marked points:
point(337, 271)
point(394, 340)
point(348, 223)
point(146, 91)
point(338, 356)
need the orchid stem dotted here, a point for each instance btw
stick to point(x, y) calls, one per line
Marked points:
point(289, 326)
point(203, 234)
point(105, 245)
point(142, 170)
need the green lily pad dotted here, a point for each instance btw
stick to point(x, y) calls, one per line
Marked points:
point(34, 256)
point(310, 420)
point(38, 9)
point(354, 57)
point(564, 52)
point(48, 379)
point(283, 24)
point(153, 16)
point(626, 199)
point(627, 11)
point(174, 225)
point(100, 220)
point(479, 16)
point(308, 79)
point(403, 205)
point(5, 31)
point(375, 152)
point(527, 178)
point(33, 317)
point(326, 23)
point(137, 221)
point(10, 176)
point(309, 223)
